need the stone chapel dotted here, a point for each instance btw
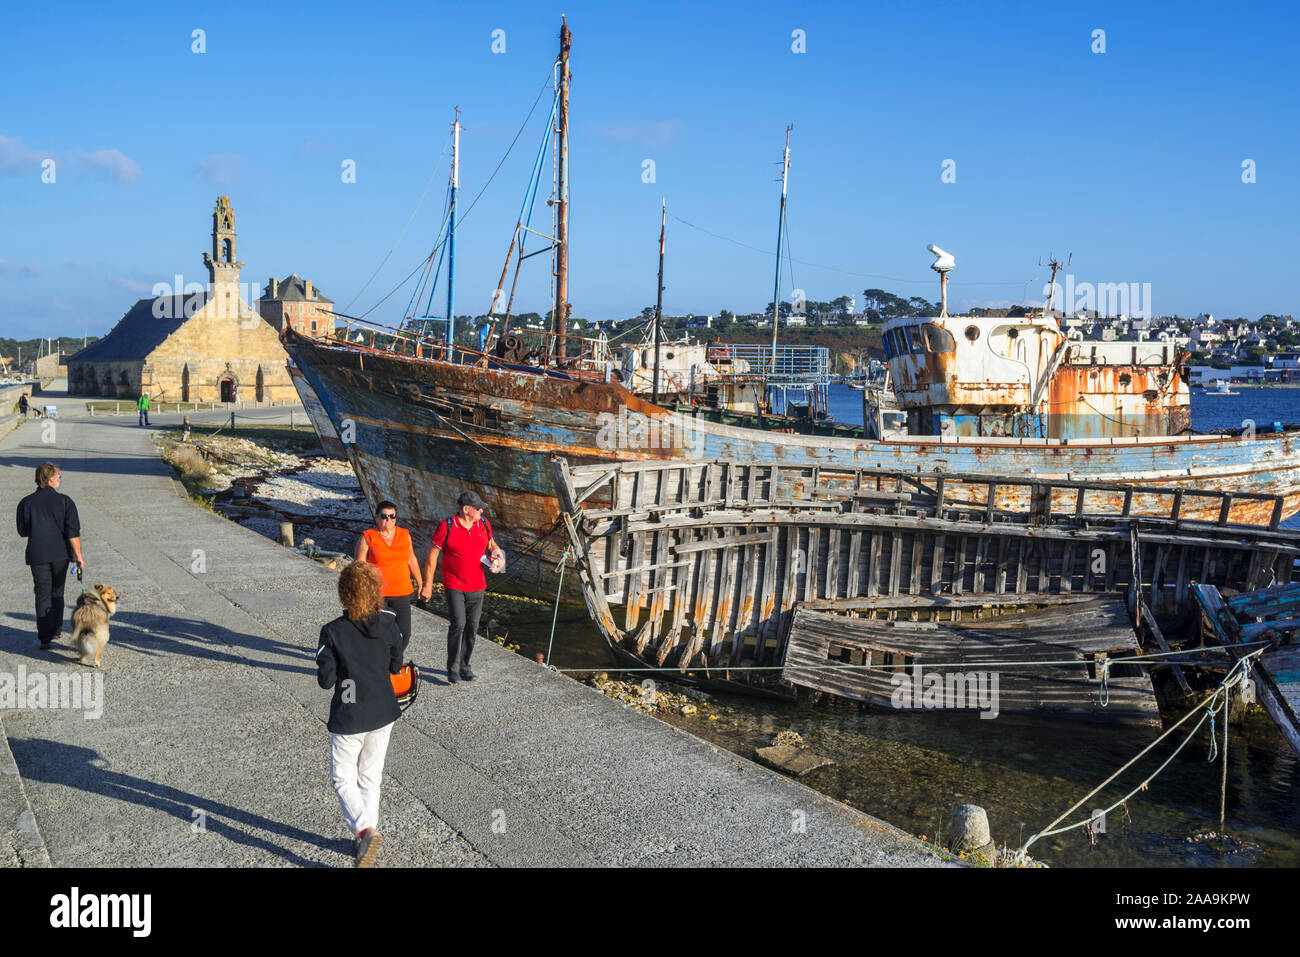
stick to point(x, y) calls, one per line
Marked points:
point(207, 346)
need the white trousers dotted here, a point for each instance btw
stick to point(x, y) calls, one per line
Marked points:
point(356, 768)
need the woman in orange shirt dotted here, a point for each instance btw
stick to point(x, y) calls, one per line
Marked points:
point(388, 548)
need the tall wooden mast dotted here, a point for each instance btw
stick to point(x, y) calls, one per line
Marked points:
point(780, 230)
point(659, 300)
point(451, 238)
point(561, 309)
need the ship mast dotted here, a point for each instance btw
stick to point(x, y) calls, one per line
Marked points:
point(780, 230)
point(451, 237)
point(1051, 286)
point(659, 302)
point(560, 314)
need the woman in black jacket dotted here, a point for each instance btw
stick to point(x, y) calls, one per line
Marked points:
point(358, 651)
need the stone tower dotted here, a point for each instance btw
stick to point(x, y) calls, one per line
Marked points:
point(223, 269)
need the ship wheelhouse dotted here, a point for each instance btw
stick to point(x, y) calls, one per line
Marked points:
point(1021, 377)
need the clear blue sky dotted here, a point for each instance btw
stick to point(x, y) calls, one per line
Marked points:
point(1130, 159)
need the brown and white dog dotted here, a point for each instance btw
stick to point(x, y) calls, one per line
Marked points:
point(90, 622)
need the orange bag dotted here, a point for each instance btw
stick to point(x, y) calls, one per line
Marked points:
point(406, 684)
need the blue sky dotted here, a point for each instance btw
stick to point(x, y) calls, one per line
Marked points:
point(1130, 159)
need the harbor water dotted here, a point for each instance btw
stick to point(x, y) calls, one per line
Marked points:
point(911, 769)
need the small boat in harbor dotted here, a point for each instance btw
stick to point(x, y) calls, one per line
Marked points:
point(1220, 388)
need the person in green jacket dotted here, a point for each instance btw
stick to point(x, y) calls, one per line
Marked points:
point(142, 404)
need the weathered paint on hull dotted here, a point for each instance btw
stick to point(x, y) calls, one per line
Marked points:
point(425, 430)
point(320, 420)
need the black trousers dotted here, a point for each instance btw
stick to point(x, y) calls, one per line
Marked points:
point(464, 608)
point(401, 607)
point(48, 579)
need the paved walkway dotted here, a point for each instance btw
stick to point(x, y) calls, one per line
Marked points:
point(212, 749)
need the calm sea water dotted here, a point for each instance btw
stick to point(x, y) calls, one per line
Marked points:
point(912, 769)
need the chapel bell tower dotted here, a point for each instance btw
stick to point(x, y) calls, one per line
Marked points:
point(223, 269)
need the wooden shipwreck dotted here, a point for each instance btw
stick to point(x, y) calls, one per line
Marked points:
point(945, 663)
point(1269, 615)
point(718, 567)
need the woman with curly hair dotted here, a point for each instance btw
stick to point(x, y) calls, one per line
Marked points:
point(358, 651)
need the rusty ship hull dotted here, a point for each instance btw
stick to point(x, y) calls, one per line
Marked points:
point(316, 414)
point(420, 430)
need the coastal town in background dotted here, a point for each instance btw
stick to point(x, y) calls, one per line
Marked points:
point(1240, 350)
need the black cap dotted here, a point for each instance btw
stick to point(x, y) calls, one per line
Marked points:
point(471, 499)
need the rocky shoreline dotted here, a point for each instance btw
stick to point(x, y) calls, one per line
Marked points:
point(261, 483)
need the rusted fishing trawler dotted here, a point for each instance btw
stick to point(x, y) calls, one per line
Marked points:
point(422, 419)
point(798, 571)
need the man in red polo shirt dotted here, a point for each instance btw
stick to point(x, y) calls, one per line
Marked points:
point(466, 541)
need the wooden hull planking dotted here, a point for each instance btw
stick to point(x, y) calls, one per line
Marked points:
point(703, 566)
point(896, 664)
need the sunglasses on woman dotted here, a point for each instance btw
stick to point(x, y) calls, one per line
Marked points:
point(388, 517)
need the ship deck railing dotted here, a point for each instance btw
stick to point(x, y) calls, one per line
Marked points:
point(416, 343)
point(950, 496)
point(786, 365)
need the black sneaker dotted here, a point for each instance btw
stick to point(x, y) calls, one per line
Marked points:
point(452, 677)
point(467, 675)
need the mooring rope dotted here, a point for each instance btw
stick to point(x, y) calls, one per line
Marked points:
point(556, 613)
point(1208, 708)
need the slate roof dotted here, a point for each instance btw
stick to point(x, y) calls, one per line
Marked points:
point(293, 288)
point(141, 330)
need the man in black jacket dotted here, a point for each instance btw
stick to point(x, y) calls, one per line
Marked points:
point(358, 652)
point(48, 520)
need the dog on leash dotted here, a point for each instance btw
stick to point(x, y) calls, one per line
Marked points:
point(90, 622)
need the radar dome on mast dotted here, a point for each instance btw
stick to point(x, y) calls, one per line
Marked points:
point(943, 263)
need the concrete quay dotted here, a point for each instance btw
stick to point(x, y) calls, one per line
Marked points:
point(211, 749)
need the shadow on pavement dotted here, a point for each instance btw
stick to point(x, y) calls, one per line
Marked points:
point(154, 635)
point(54, 762)
point(22, 641)
point(163, 635)
point(142, 464)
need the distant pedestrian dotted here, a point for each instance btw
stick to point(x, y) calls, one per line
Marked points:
point(358, 652)
point(23, 405)
point(388, 548)
point(142, 404)
point(185, 429)
point(466, 538)
point(48, 520)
